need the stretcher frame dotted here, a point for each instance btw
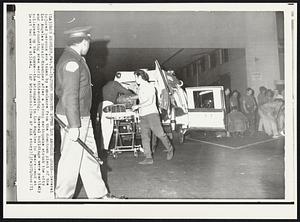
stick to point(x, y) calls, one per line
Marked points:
point(132, 124)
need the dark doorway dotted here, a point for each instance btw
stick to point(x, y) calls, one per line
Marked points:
point(223, 80)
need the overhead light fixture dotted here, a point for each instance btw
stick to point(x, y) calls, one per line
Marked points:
point(204, 92)
point(72, 20)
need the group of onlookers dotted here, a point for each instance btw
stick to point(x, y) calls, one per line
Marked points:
point(247, 115)
point(271, 112)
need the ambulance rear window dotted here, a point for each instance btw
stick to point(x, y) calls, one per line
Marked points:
point(204, 99)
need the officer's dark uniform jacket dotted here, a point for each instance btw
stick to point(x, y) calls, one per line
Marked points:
point(73, 88)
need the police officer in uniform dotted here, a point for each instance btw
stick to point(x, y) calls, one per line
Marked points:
point(73, 88)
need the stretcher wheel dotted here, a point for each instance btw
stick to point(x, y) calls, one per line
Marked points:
point(135, 153)
point(115, 155)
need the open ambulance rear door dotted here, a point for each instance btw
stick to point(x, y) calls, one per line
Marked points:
point(206, 107)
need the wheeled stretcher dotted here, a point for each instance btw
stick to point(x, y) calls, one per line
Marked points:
point(126, 134)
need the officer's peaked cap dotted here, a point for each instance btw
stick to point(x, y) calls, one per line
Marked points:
point(79, 32)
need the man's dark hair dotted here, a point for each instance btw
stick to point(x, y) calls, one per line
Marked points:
point(235, 91)
point(270, 91)
point(262, 88)
point(250, 89)
point(143, 74)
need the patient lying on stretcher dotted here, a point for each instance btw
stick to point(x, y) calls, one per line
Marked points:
point(123, 102)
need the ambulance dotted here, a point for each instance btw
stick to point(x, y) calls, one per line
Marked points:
point(182, 109)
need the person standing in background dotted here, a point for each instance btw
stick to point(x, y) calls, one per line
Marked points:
point(234, 100)
point(227, 108)
point(261, 99)
point(269, 113)
point(227, 99)
point(270, 95)
point(249, 109)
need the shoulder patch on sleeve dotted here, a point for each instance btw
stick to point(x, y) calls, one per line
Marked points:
point(72, 66)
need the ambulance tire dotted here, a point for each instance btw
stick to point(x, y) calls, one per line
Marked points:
point(178, 137)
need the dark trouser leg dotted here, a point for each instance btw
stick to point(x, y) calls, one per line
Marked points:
point(157, 129)
point(251, 119)
point(153, 143)
point(146, 136)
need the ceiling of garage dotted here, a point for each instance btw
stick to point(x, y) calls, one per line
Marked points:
point(129, 40)
point(161, 29)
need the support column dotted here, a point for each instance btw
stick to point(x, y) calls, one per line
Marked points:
point(10, 179)
point(262, 61)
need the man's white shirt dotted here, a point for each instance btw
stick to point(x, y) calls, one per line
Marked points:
point(147, 92)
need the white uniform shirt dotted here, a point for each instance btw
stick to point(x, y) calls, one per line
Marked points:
point(147, 92)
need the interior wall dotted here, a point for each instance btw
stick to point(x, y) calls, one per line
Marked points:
point(262, 60)
point(235, 68)
point(280, 37)
point(105, 62)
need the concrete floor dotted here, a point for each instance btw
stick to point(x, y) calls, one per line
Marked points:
point(203, 167)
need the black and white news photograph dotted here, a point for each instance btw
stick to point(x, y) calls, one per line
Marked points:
point(110, 109)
